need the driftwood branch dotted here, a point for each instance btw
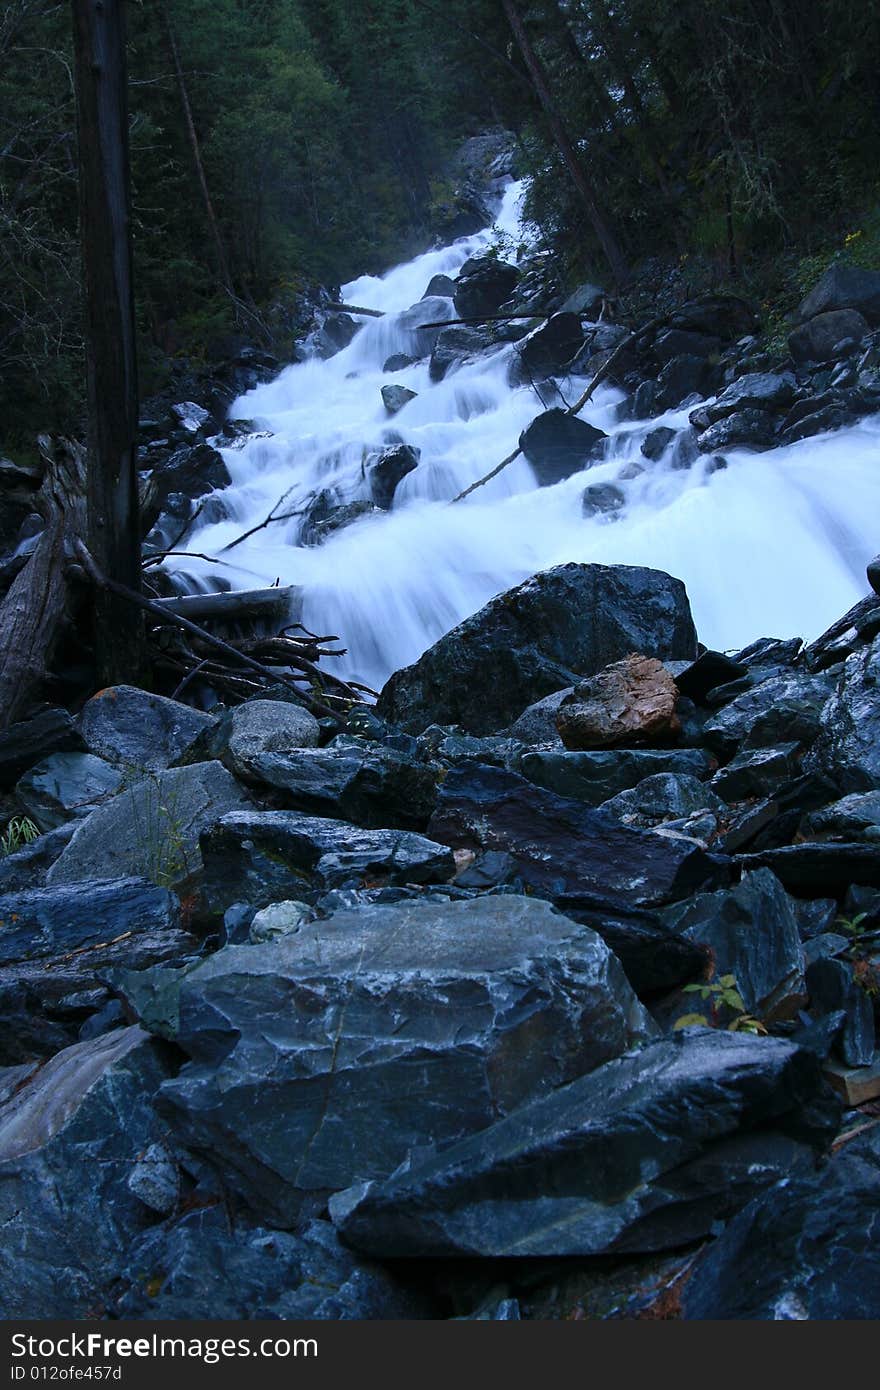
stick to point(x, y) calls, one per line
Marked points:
point(487, 318)
point(356, 309)
point(578, 405)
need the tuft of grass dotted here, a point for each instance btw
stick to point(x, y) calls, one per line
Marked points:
point(19, 831)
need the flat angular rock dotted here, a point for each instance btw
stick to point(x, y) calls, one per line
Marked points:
point(455, 345)
point(203, 1268)
point(352, 780)
point(563, 623)
point(748, 428)
point(645, 1153)
point(853, 817)
point(758, 390)
point(137, 730)
point(66, 786)
point(664, 796)
point(557, 444)
point(628, 702)
point(56, 945)
point(68, 1141)
point(27, 867)
point(562, 848)
point(595, 777)
point(757, 772)
point(537, 723)
point(152, 829)
point(260, 857)
point(833, 986)
point(782, 709)
point(805, 1250)
point(752, 933)
point(322, 1058)
point(815, 870)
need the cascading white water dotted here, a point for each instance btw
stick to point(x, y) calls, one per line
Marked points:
point(775, 544)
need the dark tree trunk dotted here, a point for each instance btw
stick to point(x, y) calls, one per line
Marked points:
point(112, 519)
point(595, 215)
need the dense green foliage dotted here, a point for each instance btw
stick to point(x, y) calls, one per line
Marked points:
point(712, 134)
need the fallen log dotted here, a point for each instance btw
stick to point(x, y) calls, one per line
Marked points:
point(356, 309)
point(237, 605)
point(36, 605)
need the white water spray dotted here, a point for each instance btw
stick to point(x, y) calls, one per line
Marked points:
point(774, 545)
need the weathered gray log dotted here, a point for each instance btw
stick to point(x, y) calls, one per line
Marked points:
point(238, 605)
point(34, 608)
point(356, 309)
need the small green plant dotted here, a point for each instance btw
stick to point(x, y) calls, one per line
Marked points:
point(724, 994)
point(19, 831)
point(854, 928)
point(160, 831)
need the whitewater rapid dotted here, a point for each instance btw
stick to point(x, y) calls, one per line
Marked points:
point(775, 544)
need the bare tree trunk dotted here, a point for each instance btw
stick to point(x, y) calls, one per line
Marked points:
point(113, 522)
point(192, 137)
point(596, 216)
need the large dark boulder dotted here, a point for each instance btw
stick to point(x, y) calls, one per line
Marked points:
point(756, 390)
point(557, 444)
point(31, 740)
point(322, 1058)
point(460, 343)
point(562, 849)
point(646, 1153)
point(844, 287)
point(483, 284)
point(561, 624)
point(805, 1250)
point(816, 340)
point(596, 777)
point(386, 470)
point(138, 731)
point(550, 349)
point(262, 857)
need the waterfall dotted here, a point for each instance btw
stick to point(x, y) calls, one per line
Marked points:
point(774, 544)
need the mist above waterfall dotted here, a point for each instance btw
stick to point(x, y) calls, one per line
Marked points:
point(774, 543)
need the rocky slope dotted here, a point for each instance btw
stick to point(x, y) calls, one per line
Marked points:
point(545, 988)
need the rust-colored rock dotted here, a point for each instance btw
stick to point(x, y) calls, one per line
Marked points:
point(629, 702)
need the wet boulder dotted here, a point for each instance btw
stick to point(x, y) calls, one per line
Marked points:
point(832, 986)
point(260, 857)
point(351, 780)
point(138, 731)
point(387, 469)
point(645, 1153)
point(595, 777)
point(784, 708)
point(537, 638)
point(550, 349)
point(816, 340)
point(661, 797)
point(322, 1058)
point(628, 702)
point(192, 471)
point(66, 786)
point(602, 499)
point(483, 284)
point(151, 829)
point(749, 428)
point(562, 849)
point(69, 1138)
point(254, 729)
point(460, 343)
point(56, 945)
point(557, 444)
point(758, 772)
point(720, 315)
point(441, 286)
point(853, 817)
point(755, 390)
point(395, 397)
